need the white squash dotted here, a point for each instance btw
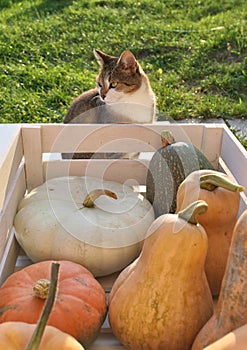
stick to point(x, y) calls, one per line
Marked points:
point(52, 223)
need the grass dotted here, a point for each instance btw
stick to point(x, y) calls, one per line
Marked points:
point(194, 51)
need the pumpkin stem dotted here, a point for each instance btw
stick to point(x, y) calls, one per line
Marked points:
point(93, 195)
point(166, 138)
point(41, 288)
point(40, 328)
point(190, 213)
point(211, 181)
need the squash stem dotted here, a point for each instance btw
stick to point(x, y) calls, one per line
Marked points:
point(211, 181)
point(93, 195)
point(166, 138)
point(40, 328)
point(41, 288)
point(190, 213)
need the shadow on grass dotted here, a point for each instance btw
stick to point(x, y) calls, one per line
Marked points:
point(7, 3)
point(46, 6)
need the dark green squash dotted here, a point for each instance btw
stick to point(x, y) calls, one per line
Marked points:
point(169, 166)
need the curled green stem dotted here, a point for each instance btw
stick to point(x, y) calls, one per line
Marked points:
point(191, 212)
point(211, 181)
point(93, 195)
point(40, 328)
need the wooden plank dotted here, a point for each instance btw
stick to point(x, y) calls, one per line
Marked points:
point(8, 260)
point(243, 198)
point(235, 157)
point(130, 172)
point(32, 148)
point(11, 154)
point(106, 342)
point(212, 140)
point(118, 138)
point(15, 194)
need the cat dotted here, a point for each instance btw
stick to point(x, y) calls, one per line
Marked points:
point(123, 95)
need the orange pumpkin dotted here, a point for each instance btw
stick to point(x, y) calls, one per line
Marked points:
point(80, 306)
point(15, 336)
point(21, 335)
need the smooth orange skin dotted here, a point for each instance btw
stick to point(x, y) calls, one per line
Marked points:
point(162, 299)
point(16, 335)
point(235, 340)
point(80, 306)
point(218, 221)
point(231, 311)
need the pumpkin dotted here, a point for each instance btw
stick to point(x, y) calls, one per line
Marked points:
point(80, 306)
point(15, 336)
point(230, 312)
point(223, 198)
point(235, 340)
point(98, 224)
point(24, 336)
point(162, 299)
point(168, 167)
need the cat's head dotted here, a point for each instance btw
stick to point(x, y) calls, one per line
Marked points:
point(119, 77)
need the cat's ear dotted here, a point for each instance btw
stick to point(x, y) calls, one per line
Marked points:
point(101, 57)
point(127, 61)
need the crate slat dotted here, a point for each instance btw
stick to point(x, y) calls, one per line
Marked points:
point(110, 138)
point(105, 342)
point(32, 147)
point(243, 197)
point(133, 172)
point(212, 140)
point(15, 194)
point(11, 154)
point(235, 157)
point(8, 260)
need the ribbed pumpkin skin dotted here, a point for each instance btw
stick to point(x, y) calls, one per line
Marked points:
point(162, 299)
point(168, 167)
point(80, 306)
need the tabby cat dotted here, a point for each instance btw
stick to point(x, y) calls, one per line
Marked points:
point(123, 94)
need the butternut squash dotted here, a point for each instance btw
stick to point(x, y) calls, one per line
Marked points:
point(162, 299)
point(222, 196)
point(231, 309)
point(235, 340)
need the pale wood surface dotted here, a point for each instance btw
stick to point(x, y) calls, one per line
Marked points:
point(118, 138)
point(133, 172)
point(212, 140)
point(15, 194)
point(31, 136)
point(8, 259)
point(10, 156)
point(235, 157)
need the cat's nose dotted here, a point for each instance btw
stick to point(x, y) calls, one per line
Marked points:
point(103, 93)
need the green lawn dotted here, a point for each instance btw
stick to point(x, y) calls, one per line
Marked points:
point(194, 51)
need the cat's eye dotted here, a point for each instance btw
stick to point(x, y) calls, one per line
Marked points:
point(113, 85)
point(99, 85)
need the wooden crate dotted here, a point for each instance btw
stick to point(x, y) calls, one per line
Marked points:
point(30, 154)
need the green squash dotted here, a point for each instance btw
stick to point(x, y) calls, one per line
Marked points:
point(169, 166)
